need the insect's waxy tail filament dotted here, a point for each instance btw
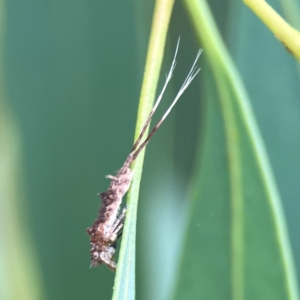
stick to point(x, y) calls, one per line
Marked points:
point(168, 78)
point(191, 75)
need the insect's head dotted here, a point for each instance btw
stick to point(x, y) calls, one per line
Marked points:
point(103, 257)
point(95, 259)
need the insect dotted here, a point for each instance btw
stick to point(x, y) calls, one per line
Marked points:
point(108, 226)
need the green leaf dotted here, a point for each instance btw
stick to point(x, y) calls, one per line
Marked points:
point(245, 253)
point(124, 287)
point(19, 267)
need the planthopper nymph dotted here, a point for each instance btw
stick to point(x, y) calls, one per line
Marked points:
point(108, 226)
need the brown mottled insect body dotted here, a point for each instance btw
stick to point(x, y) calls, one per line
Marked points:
point(105, 230)
point(108, 226)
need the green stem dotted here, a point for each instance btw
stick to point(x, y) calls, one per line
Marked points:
point(284, 32)
point(125, 276)
point(200, 15)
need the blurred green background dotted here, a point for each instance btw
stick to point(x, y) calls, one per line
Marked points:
point(72, 76)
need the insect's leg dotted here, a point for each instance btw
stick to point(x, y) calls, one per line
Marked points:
point(122, 216)
point(112, 265)
point(120, 233)
point(120, 219)
point(119, 229)
point(107, 257)
point(111, 177)
point(118, 225)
